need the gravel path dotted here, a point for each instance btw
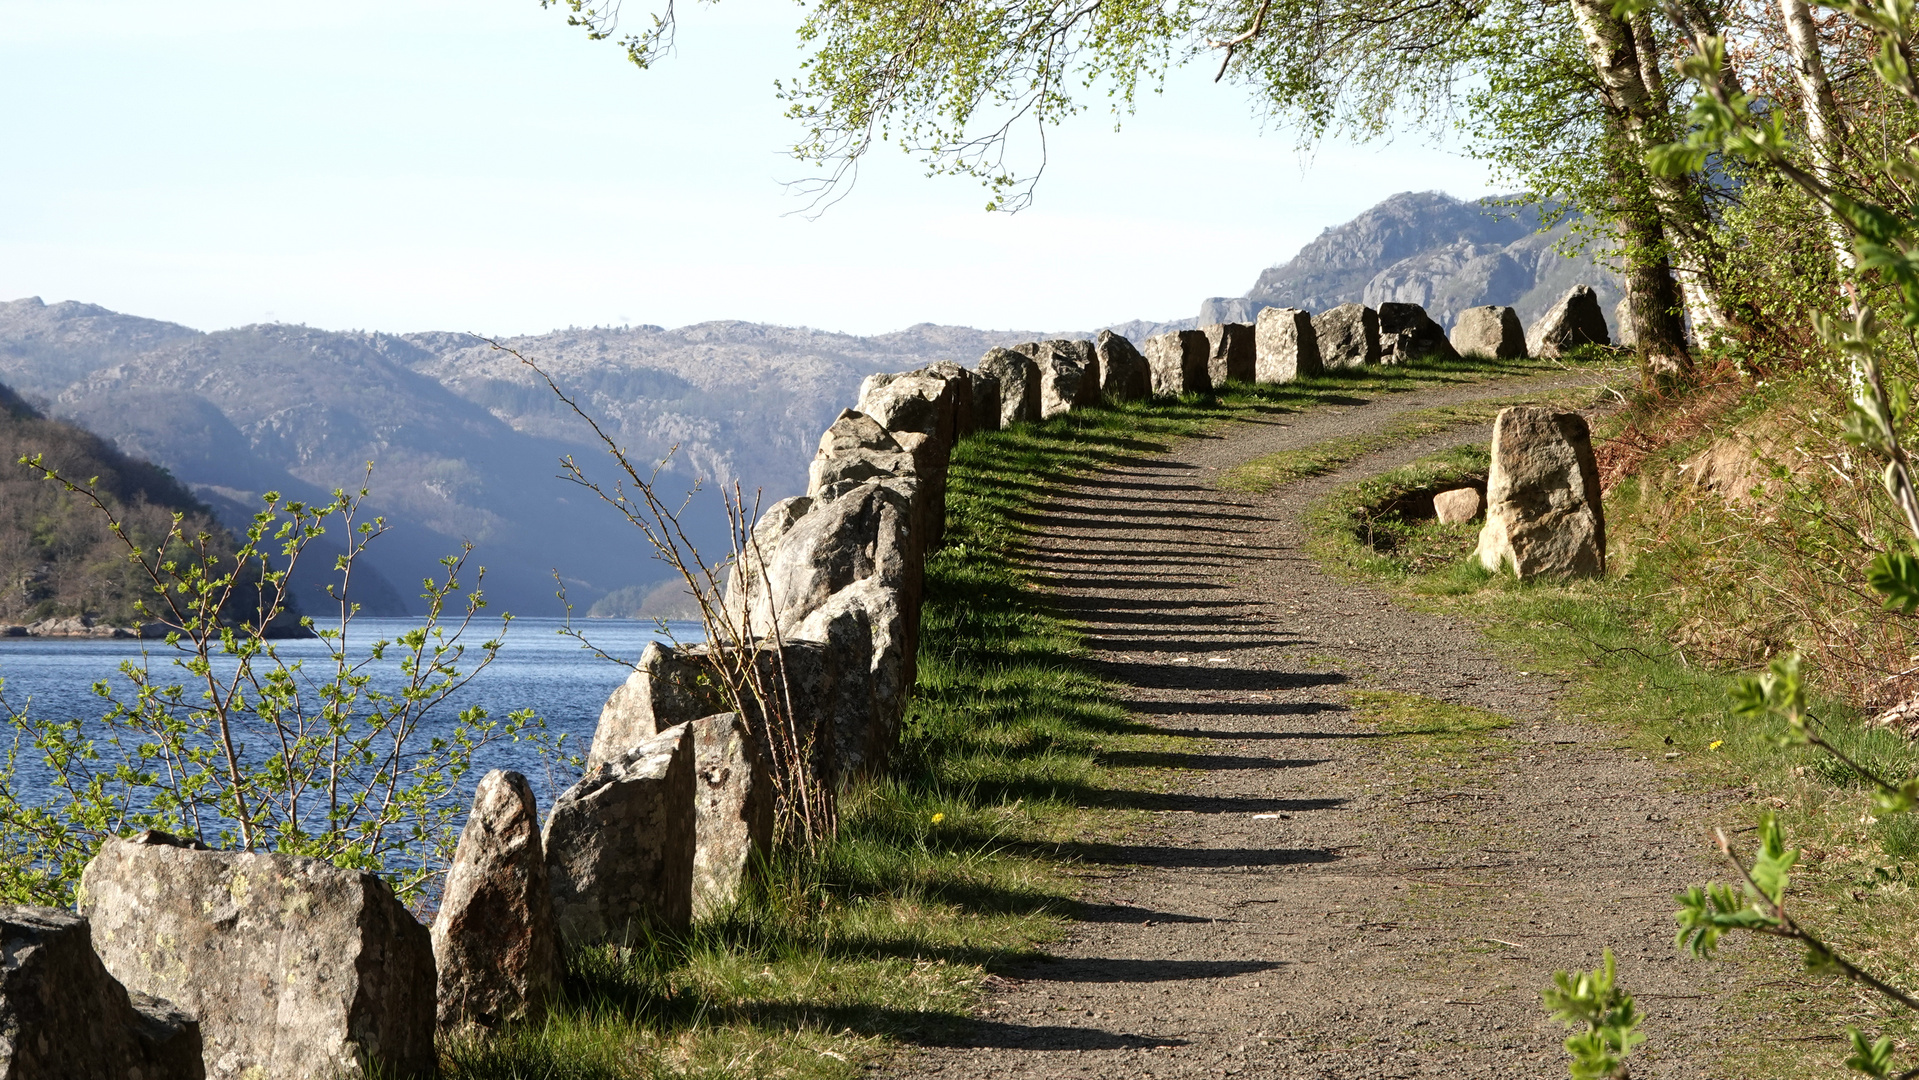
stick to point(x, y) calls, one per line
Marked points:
point(1320, 902)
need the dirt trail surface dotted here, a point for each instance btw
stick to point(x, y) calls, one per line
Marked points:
point(1319, 901)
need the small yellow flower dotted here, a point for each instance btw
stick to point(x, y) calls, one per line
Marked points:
point(1715, 744)
point(937, 818)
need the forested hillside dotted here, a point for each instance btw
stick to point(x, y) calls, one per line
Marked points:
point(57, 556)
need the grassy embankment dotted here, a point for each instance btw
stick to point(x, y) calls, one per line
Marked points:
point(1697, 592)
point(1007, 787)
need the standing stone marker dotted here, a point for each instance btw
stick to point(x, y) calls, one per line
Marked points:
point(1068, 374)
point(295, 968)
point(1285, 346)
point(959, 382)
point(1179, 363)
point(1575, 320)
point(1123, 372)
point(62, 1016)
point(494, 941)
point(1348, 336)
point(924, 401)
point(1490, 331)
point(1018, 383)
point(619, 844)
point(1543, 513)
point(1406, 332)
point(1229, 353)
point(668, 687)
point(1622, 318)
point(733, 810)
point(1063, 380)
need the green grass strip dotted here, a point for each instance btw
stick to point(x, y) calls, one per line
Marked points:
point(1263, 474)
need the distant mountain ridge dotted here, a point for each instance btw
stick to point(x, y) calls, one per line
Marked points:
point(467, 443)
point(1431, 249)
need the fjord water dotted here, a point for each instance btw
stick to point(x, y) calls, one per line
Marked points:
point(537, 668)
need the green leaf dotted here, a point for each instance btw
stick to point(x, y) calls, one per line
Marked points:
point(1889, 801)
point(1611, 1022)
point(1895, 575)
point(1871, 1058)
point(1771, 866)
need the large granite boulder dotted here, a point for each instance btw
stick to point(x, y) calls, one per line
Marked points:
point(294, 967)
point(1068, 374)
point(859, 682)
point(850, 532)
point(1406, 332)
point(986, 403)
point(921, 410)
point(1229, 353)
point(494, 941)
point(926, 401)
point(1180, 363)
point(619, 845)
point(1016, 381)
point(669, 686)
point(856, 435)
point(63, 1017)
point(1123, 371)
point(733, 809)
point(1285, 346)
point(1489, 331)
point(960, 388)
point(1348, 336)
point(856, 449)
point(1543, 514)
point(1575, 320)
point(1622, 318)
point(1062, 380)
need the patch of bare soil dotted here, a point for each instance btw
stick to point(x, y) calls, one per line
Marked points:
point(1327, 900)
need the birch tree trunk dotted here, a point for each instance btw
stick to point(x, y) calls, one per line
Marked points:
point(1822, 115)
point(1614, 53)
point(1652, 293)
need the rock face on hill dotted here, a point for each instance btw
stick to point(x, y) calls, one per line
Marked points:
point(1429, 249)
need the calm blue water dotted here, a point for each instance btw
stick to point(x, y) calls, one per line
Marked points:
point(536, 669)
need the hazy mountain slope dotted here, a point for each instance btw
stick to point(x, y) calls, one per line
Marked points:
point(1429, 249)
point(303, 410)
point(741, 400)
point(466, 444)
point(44, 347)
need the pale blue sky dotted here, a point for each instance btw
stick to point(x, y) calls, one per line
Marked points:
point(478, 165)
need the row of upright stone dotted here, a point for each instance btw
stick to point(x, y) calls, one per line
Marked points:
point(1284, 344)
point(184, 962)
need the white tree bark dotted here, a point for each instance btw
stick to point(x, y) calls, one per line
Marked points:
point(1614, 54)
point(1822, 113)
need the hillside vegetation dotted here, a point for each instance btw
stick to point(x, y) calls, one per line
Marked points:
point(57, 556)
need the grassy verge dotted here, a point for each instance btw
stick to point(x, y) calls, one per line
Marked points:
point(1621, 644)
point(1263, 474)
point(1010, 782)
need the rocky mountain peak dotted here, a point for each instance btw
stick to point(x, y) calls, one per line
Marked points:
point(1430, 249)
